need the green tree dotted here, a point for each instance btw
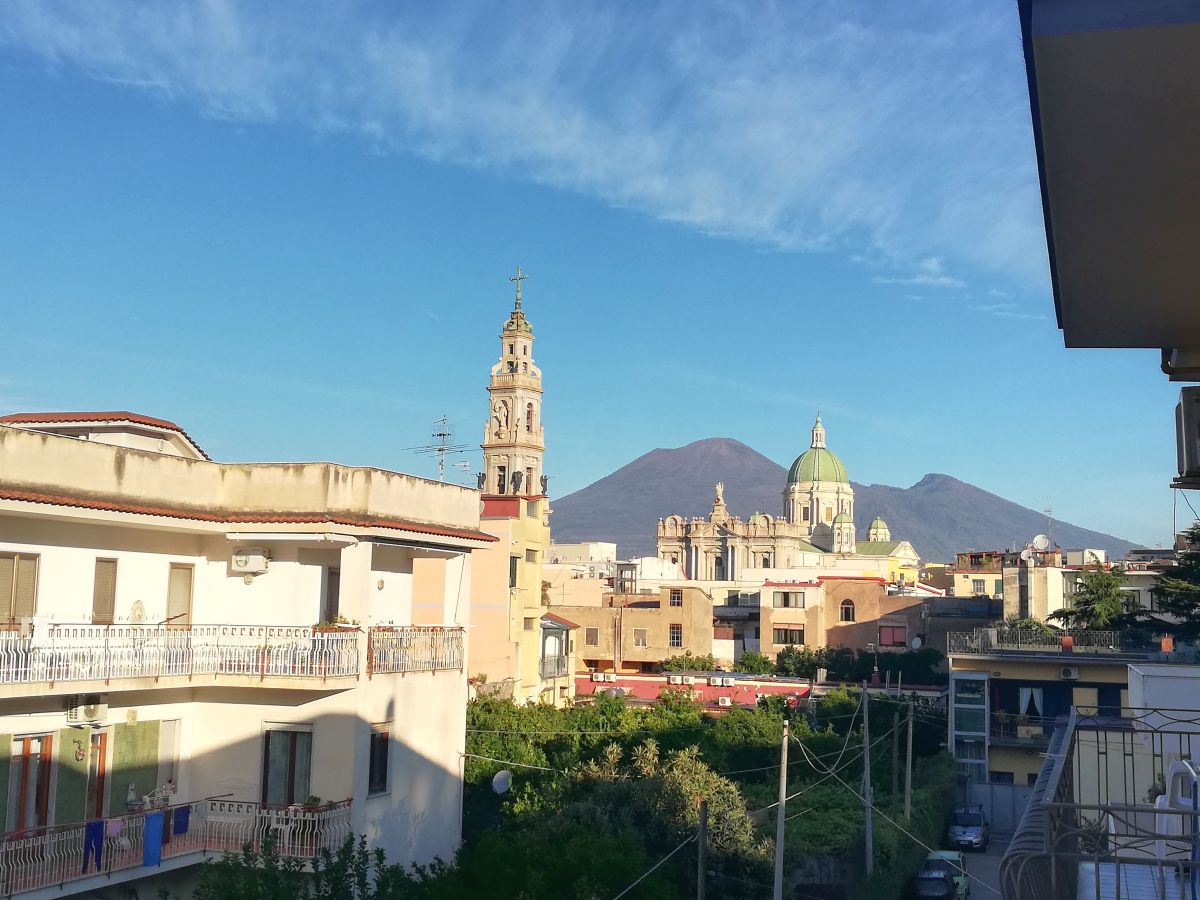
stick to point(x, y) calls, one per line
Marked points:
point(1177, 590)
point(1098, 600)
point(754, 663)
point(688, 662)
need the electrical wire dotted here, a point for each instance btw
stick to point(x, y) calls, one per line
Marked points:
point(651, 870)
point(1183, 493)
point(506, 762)
point(920, 843)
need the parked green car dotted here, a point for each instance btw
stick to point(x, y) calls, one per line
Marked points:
point(952, 862)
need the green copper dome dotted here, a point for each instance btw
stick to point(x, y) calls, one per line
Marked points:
point(877, 523)
point(817, 464)
point(842, 519)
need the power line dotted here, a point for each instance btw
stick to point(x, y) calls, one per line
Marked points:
point(650, 871)
point(506, 762)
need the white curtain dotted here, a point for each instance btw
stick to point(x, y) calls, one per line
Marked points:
point(1031, 702)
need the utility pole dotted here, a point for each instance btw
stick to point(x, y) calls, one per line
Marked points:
point(895, 753)
point(908, 769)
point(702, 841)
point(868, 800)
point(780, 815)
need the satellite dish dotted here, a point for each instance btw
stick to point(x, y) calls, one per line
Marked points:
point(1041, 542)
point(502, 781)
point(916, 642)
point(1026, 554)
point(614, 692)
point(137, 613)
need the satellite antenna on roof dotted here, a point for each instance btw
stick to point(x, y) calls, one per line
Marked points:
point(443, 446)
point(1041, 543)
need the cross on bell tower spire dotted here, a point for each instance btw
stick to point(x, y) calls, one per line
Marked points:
point(518, 278)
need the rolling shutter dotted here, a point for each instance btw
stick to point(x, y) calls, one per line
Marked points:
point(18, 587)
point(104, 592)
point(179, 595)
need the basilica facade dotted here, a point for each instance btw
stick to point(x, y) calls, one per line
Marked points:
point(817, 520)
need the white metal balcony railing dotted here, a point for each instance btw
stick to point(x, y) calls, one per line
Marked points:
point(1018, 640)
point(55, 855)
point(415, 648)
point(553, 666)
point(62, 652)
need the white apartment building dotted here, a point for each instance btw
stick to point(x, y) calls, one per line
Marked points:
point(194, 655)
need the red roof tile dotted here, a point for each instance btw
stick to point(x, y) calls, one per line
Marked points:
point(559, 619)
point(232, 519)
point(62, 418)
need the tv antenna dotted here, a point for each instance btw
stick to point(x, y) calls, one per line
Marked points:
point(443, 446)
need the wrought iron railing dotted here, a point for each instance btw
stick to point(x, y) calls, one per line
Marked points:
point(1098, 824)
point(1019, 640)
point(64, 652)
point(553, 667)
point(1014, 730)
point(414, 648)
point(58, 854)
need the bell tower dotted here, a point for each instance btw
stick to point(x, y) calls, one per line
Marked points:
point(513, 440)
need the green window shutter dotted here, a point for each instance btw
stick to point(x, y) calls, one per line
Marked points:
point(70, 785)
point(135, 761)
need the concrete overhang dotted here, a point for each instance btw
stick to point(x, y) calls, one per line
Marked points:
point(1114, 88)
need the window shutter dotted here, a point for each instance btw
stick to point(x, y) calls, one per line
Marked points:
point(179, 596)
point(8, 576)
point(25, 595)
point(104, 592)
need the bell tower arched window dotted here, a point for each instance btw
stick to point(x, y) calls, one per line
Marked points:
point(529, 417)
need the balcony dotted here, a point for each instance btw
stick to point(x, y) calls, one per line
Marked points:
point(414, 648)
point(988, 641)
point(1101, 823)
point(553, 667)
point(104, 653)
point(1010, 730)
point(55, 856)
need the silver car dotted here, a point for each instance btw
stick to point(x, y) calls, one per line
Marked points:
point(968, 827)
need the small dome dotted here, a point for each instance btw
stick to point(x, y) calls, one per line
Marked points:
point(877, 523)
point(817, 464)
point(842, 519)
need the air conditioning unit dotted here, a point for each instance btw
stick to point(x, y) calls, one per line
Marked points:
point(1187, 432)
point(724, 701)
point(1070, 673)
point(248, 561)
point(716, 680)
point(729, 682)
point(689, 679)
point(609, 676)
point(90, 708)
point(597, 676)
point(674, 679)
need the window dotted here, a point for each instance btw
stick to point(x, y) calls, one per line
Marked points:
point(511, 349)
point(529, 417)
point(675, 636)
point(530, 622)
point(847, 611)
point(29, 782)
point(524, 349)
point(639, 637)
point(377, 764)
point(333, 595)
point(18, 587)
point(94, 806)
point(501, 479)
point(179, 595)
point(1031, 778)
point(531, 556)
point(893, 635)
point(168, 752)
point(829, 514)
point(104, 592)
point(531, 509)
point(287, 764)
point(512, 570)
point(789, 636)
point(977, 586)
point(529, 479)
point(999, 587)
point(1000, 777)
point(804, 513)
point(789, 600)
point(591, 636)
point(677, 598)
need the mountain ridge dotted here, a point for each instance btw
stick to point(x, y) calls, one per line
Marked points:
point(940, 515)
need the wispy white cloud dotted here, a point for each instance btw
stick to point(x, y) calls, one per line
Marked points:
point(897, 134)
point(1006, 311)
point(929, 274)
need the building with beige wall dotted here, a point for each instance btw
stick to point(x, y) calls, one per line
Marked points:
point(174, 630)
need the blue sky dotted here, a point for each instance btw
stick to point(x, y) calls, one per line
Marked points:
point(290, 228)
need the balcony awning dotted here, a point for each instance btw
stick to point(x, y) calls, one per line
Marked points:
point(1116, 123)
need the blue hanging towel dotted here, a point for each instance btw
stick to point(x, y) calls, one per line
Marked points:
point(152, 850)
point(93, 844)
point(183, 816)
